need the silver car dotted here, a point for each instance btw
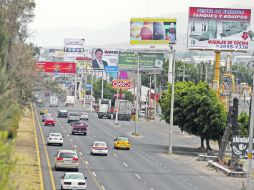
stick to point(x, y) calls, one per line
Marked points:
point(73, 116)
point(83, 116)
point(66, 159)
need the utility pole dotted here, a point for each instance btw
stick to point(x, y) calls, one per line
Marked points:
point(183, 71)
point(250, 147)
point(117, 100)
point(102, 81)
point(172, 52)
point(92, 93)
point(137, 95)
point(155, 91)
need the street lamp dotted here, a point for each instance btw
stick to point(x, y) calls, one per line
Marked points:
point(172, 52)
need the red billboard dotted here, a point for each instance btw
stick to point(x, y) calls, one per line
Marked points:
point(56, 67)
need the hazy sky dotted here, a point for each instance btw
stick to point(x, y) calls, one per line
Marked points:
point(96, 14)
point(51, 16)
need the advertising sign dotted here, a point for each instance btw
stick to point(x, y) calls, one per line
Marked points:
point(219, 29)
point(73, 48)
point(111, 69)
point(152, 31)
point(240, 147)
point(104, 57)
point(83, 64)
point(146, 60)
point(56, 67)
point(123, 84)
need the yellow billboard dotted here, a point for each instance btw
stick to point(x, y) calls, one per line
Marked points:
point(152, 31)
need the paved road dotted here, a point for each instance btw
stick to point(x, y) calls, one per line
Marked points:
point(145, 166)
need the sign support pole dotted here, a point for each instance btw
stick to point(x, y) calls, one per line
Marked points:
point(137, 95)
point(250, 147)
point(172, 102)
point(102, 81)
point(117, 100)
point(92, 93)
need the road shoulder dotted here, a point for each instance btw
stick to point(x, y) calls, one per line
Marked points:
point(27, 172)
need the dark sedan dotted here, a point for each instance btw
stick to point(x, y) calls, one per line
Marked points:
point(63, 114)
point(79, 128)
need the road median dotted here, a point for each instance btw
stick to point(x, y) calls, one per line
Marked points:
point(27, 174)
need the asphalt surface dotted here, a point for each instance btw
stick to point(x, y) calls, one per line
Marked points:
point(145, 166)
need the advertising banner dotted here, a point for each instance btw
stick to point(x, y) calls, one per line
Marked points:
point(104, 57)
point(219, 29)
point(111, 69)
point(146, 60)
point(56, 67)
point(152, 31)
point(240, 147)
point(73, 48)
point(83, 64)
point(123, 84)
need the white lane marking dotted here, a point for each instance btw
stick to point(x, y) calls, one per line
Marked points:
point(68, 135)
point(71, 140)
point(94, 174)
point(189, 184)
point(64, 130)
point(103, 188)
point(94, 136)
point(115, 155)
point(151, 188)
point(80, 153)
point(75, 146)
point(126, 165)
point(137, 176)
point(86, 162)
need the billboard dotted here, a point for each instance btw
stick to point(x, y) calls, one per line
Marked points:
point(123, 84)
point(83, 64)
point(152, 31)
point(104, 57)
point(56, 67)
point(146, 60)
point(219, 29)
point(73, 48)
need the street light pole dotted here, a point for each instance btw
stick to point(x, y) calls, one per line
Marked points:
point(172, 102)
point(102, 81)
point(117, 99)
point(250, 147)
point(137, 95)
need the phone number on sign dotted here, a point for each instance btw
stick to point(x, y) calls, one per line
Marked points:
point(234, 47)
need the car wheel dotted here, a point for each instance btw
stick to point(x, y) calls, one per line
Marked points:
point(48, 144)
point(56, 169)
point(85, 134)
point(45, 124)
point(61, 144)
point(72, 133)
point(61, 187)
point(91, 153)
point(106, 154)
point(68, 121)
point(76, 169)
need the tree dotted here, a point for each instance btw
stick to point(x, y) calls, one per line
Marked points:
point(197, 110)
point(243, 122)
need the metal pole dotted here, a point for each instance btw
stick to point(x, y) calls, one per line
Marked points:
point(75, 88)
point(117, 100)
point(137, 100)
point(155, 91)
point(172, 103)
point(170, 64)
point(183, 71)
point(102, 81)
point(92, 93)
point(250, 147)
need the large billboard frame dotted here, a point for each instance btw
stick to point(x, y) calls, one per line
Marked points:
point(205, 25)
point(152, 31)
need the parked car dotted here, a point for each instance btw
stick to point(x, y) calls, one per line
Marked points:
point(79, 127)
point(66, 159)
point(62, 114)
point(44, 116)
point(72, 180)
point(122, 143)
point(99, 147)
point(73, 116)
point(49, 121)
point(43, 111)
point(83, 116)
point(55, 138)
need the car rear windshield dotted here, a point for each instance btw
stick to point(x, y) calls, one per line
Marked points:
point(74, 114)
point(100, 144)
point(55, 135)
point(123, 139)
point(74, 176)
point(67, 155)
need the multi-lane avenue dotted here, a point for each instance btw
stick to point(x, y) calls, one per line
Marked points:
point(145, 166)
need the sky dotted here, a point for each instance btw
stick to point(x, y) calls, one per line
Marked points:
point(99, 14)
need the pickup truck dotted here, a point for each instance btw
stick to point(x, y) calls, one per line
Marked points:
point(79, 128)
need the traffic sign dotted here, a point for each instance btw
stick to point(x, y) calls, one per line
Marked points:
point(124, 84)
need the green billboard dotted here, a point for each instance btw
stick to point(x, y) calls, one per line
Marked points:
point(146, 60)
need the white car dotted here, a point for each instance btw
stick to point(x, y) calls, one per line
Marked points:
point(72, 180)
point(66, 159)
point(99, 147)
point(55, 138)
point(83, 116)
